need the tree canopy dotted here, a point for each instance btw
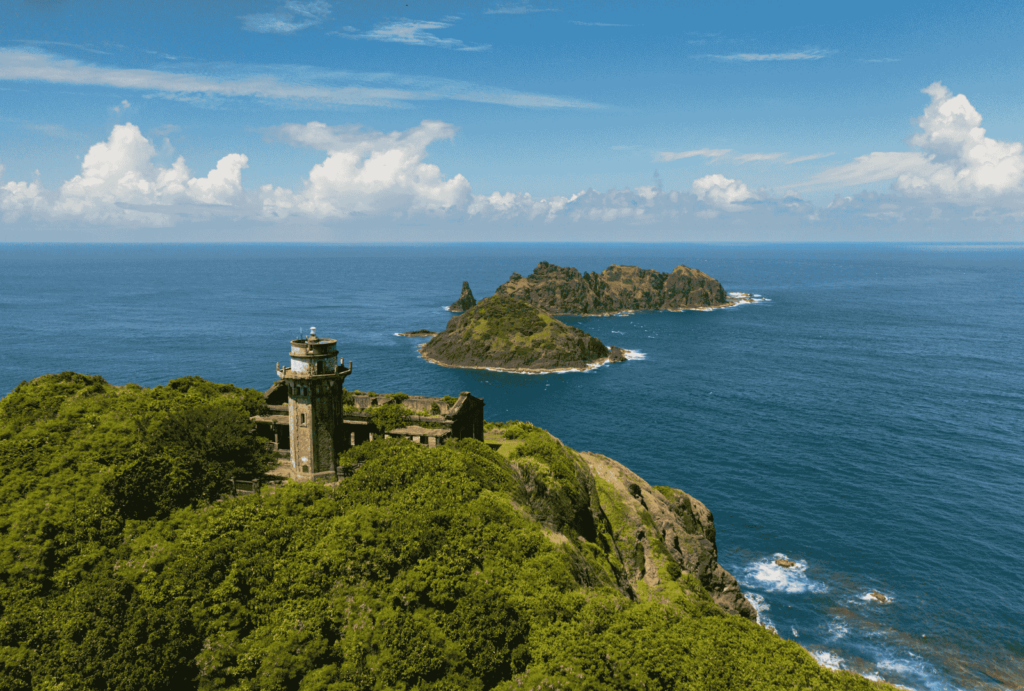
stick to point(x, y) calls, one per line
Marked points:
point(122, 568)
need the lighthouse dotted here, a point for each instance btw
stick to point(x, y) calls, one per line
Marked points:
point(314, 382)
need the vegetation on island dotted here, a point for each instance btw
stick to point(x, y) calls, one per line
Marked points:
point(503, 332)
point(564, 290)
point(123, 568)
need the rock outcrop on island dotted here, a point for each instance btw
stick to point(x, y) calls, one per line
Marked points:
point(564, 290)
point(504, 333)
point(419, 333)
point(465, 301)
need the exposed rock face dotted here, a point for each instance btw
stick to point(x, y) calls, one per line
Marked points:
point(465, 301)
point(505, 333)
point(419, 333)
point(564, 290)
point(785, 563)
point(658, 527)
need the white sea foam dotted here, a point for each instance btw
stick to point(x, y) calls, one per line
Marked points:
point(774, 578)
point(635, 355)
point(915, 668)
point(618, 332)
point(868, 597)
point(760, 606)
point(745, 299)
point(837, 628)
point(828, 659)
point(796, 634)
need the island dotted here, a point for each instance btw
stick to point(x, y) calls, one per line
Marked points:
point(564, 290)
point(503, 333)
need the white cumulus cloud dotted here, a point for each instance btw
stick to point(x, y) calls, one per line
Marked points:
point(18, 199)
point(965, 165)
point(722, 192)
point(369, 173)
point(120, 183)
point(956, 161)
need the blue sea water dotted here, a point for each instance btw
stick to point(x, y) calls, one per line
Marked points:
point(865, 422)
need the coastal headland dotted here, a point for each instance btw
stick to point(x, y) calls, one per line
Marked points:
point(513, 562)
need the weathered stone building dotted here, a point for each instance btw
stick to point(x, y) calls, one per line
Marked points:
point(309, 423)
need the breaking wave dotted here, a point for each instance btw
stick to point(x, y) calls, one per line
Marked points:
point(765, 574)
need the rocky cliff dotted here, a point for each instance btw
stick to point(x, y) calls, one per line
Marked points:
point(564, 290)
point(505, 333)
point(661, 538)
point(465, 301)
point(662, 531)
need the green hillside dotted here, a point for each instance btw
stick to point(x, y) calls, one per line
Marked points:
point(461, 567)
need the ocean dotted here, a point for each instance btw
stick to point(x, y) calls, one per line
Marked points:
point(865, 421)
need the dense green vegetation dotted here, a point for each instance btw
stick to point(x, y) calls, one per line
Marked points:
point(500, 331)
point(564, 290)
point(447, 568)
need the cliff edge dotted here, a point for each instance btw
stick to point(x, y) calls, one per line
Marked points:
point(663, 532)
point(564, 290)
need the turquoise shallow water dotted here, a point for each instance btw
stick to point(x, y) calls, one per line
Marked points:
point(865, 422)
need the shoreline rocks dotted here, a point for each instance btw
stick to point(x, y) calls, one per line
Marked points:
point(419, 333)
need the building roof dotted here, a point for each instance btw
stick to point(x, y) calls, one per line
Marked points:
point(417, 431)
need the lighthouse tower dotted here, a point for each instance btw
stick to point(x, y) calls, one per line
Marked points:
point(314, 383)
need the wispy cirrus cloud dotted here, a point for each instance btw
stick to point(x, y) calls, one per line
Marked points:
point(809, 54)
point(811, 157)
point(884, 60)
point(62, 44)
point(706, 153)
point(292, 17)
point(414, 33)
point(749, 158)
point(288, 86)
point(518, 8)
point(579, 23)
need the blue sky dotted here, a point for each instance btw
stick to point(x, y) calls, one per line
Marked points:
point(319, 120)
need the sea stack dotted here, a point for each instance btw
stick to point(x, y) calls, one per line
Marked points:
point(465, 301)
